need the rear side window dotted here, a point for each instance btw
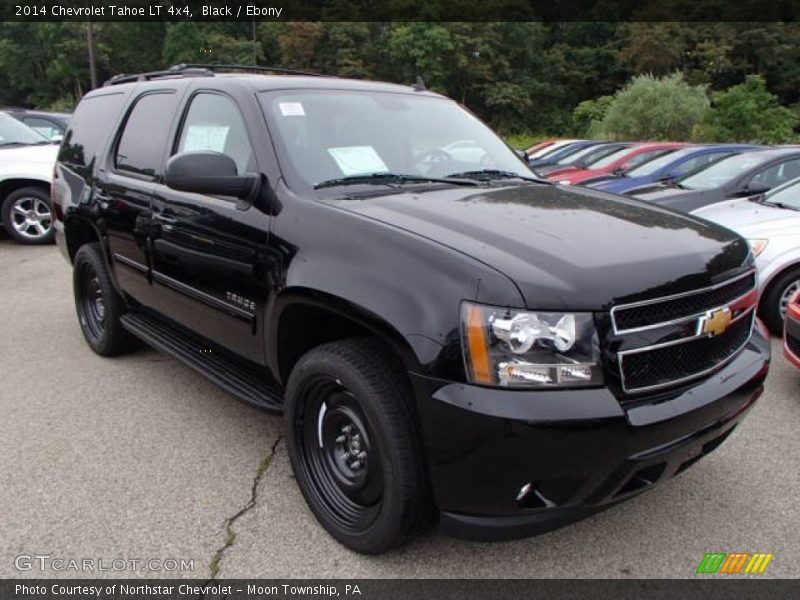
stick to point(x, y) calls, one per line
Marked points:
point(88, 129)
point(141, 146)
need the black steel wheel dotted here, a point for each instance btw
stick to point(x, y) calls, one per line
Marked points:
point(353, 446)
point(98, 304)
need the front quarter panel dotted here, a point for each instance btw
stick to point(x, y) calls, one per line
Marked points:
point(411, 285)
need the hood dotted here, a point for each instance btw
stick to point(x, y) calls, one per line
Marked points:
point(566, 249)
point(35, 162)
point(575, 175)
point(45, 153)
point(676, 198)
point(620, 184)
point(553, 170)
point(752, 219)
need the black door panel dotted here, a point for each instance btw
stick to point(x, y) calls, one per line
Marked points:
point(208, 256)
point(208, 262)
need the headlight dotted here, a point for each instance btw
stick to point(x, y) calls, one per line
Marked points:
point(565, 182)
point(758, 246)
point(515, 348)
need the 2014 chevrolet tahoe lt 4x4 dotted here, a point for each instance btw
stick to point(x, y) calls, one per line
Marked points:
point(449, 338)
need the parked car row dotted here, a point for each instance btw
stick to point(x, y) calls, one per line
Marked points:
point(754, 190)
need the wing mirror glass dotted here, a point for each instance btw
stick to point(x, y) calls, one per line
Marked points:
point(212, 173)
point(755, 187)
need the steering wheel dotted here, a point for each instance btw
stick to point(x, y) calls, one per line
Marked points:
point(428, 161)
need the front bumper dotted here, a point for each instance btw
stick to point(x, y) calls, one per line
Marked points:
point(506, 464)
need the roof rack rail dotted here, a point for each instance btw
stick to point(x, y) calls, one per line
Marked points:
point(171, 72)
point(254, 68)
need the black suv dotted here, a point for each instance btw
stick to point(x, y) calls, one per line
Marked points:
point(449, 338)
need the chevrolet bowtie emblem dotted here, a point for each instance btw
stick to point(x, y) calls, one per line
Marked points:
point(715, 322)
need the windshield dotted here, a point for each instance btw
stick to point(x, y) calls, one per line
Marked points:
point(545, 152)
point(611, 158)
point(576, 156)
point(720, 173)
point(787, 195)
point(654, 165)
point(330, 135)
point(14, 133)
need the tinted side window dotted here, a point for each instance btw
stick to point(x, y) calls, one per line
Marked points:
point(780, 173)
point(88, 129)
point(214, 122)
point(142, 143)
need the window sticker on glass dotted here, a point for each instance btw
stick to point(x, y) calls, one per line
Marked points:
point(206, 137)
point(292, 109)
point(356, 160)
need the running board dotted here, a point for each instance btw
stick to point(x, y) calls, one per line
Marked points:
point(239, 381)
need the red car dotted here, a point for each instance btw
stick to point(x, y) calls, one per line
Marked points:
point(791, 331)
point(615, 164)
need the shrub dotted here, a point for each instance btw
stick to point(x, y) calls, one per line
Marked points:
point(651, 108)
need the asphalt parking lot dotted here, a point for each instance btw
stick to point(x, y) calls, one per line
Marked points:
point(139, 457)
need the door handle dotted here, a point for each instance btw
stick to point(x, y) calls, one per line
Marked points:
point(164, 221)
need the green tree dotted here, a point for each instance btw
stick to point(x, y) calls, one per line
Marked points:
point(185, 42)
point(589, 114)
point(748, 112)
point(652, 108)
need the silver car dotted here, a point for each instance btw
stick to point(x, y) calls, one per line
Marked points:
point(771, 223)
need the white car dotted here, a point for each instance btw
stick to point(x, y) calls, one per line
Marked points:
point(27, 160)
point(771, 223)
point(467, 151)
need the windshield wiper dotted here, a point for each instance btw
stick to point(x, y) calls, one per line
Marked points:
point(780, 205)
point(490, 174)
point(388, 178)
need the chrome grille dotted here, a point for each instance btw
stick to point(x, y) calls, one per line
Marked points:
point(650, 313)
point(683, 340)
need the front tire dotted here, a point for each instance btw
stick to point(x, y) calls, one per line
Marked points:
point(98, 304)
point(776, 299)
point(353, 445)
point(28, 216)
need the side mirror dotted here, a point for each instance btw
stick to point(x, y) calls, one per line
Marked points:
point(619, 171)
point(754, 188)
point(670, 176)
point(213, 173)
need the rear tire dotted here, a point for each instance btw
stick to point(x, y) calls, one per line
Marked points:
point(98, 304)
point(776, 299)
point(353, 445)
point(28, 216)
